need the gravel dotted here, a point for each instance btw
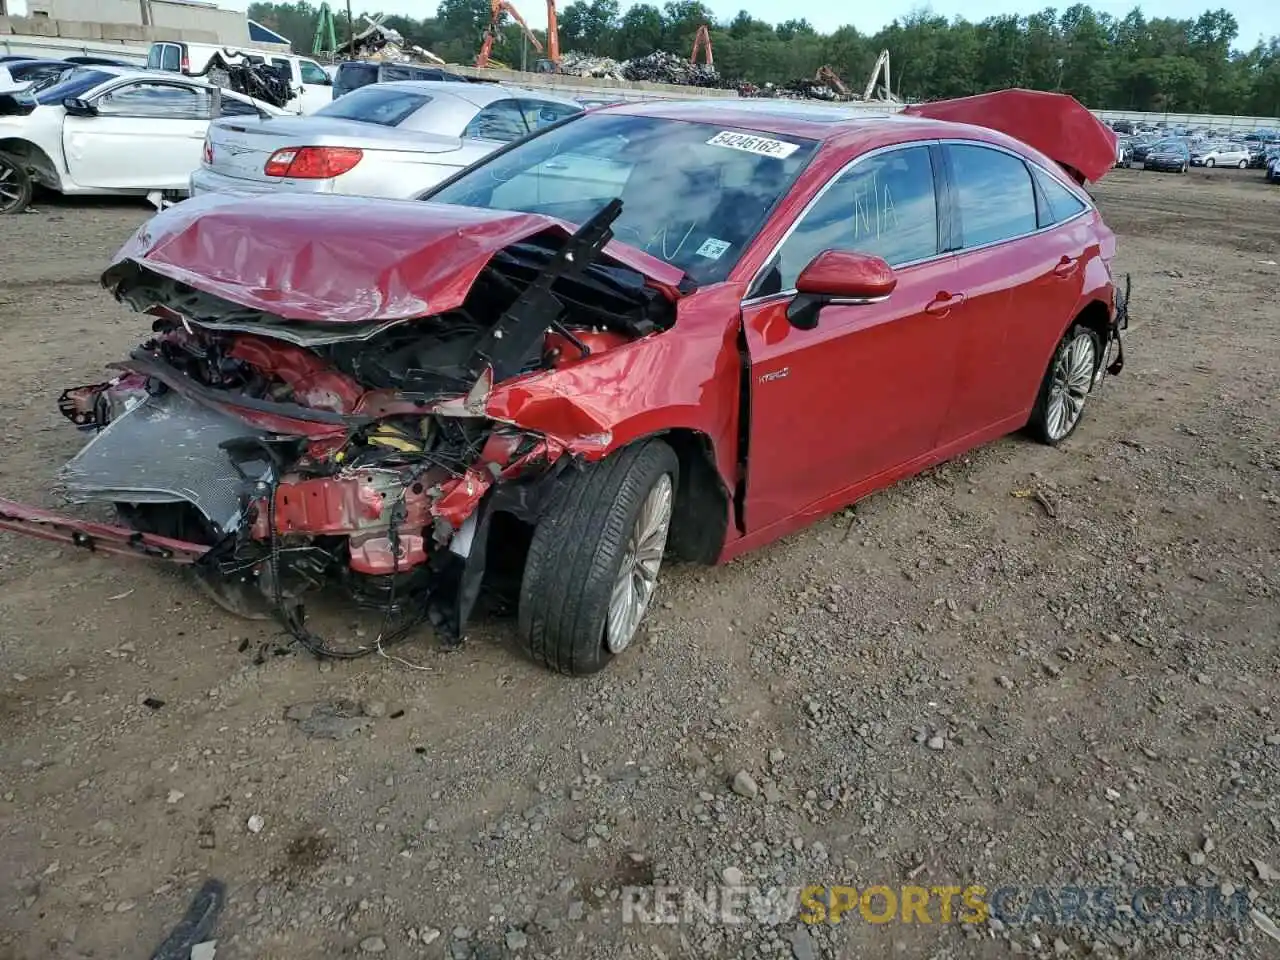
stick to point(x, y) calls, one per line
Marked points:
point(945, 685)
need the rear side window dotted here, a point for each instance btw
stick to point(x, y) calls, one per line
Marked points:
point(994, 194)
point(231, 107)
point(353, 76)
point(375, 103)
point(502, 120)
point(1055, 202)
point(542, 113)
point(884, 206)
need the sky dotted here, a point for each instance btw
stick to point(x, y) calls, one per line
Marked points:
point(1257, 18)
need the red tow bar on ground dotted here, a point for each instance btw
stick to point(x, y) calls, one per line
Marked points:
point(95, 537)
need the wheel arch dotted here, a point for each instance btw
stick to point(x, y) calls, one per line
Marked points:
point(1095, 315)
point(38, 163)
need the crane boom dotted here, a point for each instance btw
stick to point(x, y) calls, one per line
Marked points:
point(702, 40)
point(496, 10)
point(882, 63)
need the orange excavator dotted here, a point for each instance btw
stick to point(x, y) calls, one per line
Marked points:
point(702, 41)
point(832, 79)
point(497, 8)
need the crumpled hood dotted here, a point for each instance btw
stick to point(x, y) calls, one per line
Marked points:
point(339, 259)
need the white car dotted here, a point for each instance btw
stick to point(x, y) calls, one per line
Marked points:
point(390, 140)
point(107, 130)
point(1220, 155)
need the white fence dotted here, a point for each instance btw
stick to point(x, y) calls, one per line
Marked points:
point(1217, 122)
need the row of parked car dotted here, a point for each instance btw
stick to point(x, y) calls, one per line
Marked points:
point(101, 128)
point(1179, 154)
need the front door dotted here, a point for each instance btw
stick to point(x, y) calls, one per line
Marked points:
point(146, 135)
point(864, 392)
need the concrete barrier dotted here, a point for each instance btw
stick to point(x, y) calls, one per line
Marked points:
point(79, 29)
point(34, 26)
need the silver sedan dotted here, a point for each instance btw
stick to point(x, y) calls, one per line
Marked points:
point(389, 140)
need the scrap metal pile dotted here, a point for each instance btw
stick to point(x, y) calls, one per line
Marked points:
point(378, 42)
point(656, 67)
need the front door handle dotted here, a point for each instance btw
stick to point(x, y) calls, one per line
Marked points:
point(1066, 266)
point(941, 305)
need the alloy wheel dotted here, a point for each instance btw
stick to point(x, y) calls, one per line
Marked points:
point(1209, 162)
point(1072, 378)
point(638, 575)
point(11, 186)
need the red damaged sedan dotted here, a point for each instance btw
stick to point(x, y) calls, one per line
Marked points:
point(661, 328)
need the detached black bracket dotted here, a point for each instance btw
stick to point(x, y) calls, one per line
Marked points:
point(517, 335)
point(1120, 324)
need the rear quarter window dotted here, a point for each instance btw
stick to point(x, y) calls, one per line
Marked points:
point(375, 103)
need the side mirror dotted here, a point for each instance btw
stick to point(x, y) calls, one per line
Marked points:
point(839, 276)
point(76, 107)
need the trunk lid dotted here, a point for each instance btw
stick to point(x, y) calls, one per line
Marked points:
point(240, 147)
point(1057, 125)
point(338, 260)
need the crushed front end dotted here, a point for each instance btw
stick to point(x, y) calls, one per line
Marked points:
point(277, 457)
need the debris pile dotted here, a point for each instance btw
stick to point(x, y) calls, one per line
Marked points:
point(576, 64)
point(378, 42)
point(662, 67)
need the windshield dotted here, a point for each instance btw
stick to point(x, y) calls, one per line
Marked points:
point(76, 83)
point(375, 104)
point(694, 195)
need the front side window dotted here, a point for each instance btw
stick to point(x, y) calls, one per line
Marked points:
point(502, 121)
point(375, 103)
point(1057, 203)
point(391, 74)
point(171, 59)
point(885, 205)
point(148, 99)
point(994, 194)
point(313, 73)
point(693, 194)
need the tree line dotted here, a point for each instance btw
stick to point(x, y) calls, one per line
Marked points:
point(1132, 63)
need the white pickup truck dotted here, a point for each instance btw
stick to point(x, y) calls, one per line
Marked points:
point(312, 86)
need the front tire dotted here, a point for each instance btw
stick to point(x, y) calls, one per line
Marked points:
point(1060, 405)
point(15, 185)
point(1243, 164)
point(594, 559)
point(1210, 162)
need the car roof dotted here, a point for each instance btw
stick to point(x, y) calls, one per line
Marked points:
point(479, 94)
point(788, 117)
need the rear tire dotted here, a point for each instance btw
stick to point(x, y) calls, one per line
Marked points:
point(1066, 386)
point(589, 549)
point(15, 185)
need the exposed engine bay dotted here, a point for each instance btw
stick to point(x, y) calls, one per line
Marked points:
point(308, 455)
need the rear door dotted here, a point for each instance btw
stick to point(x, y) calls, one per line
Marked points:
point(147, 135)
point(1023, 244)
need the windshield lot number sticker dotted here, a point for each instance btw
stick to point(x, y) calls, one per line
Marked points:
point(761, 146)
point(713, 249)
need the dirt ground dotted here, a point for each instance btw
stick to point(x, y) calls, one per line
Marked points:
point(947, 685)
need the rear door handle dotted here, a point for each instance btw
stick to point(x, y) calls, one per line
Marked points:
point(1066, 266)
point(941, 305)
